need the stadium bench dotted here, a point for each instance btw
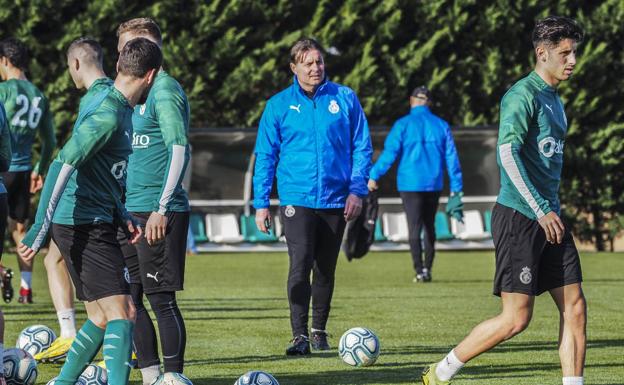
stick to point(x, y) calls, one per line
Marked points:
point(471, 229)
point(487, 217)
point(198, 227)
point(252, 234)
point(223, 228)
point(395, 227)
point(379, 236)
point(442, 230)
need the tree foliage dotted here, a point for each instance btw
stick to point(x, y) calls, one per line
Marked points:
point(232, 55)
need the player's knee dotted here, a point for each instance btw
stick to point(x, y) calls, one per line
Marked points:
point(98, 320)
point(576, 312)
point(131, 312)
point(517, 324)
point(51, 260)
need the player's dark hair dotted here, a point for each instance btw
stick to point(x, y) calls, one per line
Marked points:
point(301, 47)
point(15, 51)
point(141, 26)
point(138, 57)
point(91, 50)
point(554, 29)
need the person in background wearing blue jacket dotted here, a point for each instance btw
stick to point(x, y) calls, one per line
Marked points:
point(314, 137)
point(424, 145)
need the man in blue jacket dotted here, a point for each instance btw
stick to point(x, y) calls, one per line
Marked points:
point(424, 144)
point(314, 137)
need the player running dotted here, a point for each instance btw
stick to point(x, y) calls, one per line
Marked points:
point(534, 251)
point(5, 161)
point(79, 204)
point(158, 202)
point(84, 61)
point(28, 114)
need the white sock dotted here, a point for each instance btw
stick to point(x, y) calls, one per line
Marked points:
point(448, 367)
point(150, 373)
point(572, 380)
point(2, 358)
point(26, 279)
point(67, 322)
point(317, 330)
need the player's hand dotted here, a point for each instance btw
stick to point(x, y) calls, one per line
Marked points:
point(155, 228)
point(353, 207)
point(36, 182)
point(372, 185)
point(263, 218)
point(25, 252)
point(135, 232)
point(553, 227)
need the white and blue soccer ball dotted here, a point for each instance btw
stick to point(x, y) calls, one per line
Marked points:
point(35, 339)
point(256, 377)
point(93, 375)
point(171, 378)
point(20, 368)
point(359, 347)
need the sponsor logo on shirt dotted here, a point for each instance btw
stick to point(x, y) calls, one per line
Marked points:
point(140, 141)
point(550, 146)
point(142, 109)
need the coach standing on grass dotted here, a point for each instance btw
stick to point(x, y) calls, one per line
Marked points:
point(314, 134)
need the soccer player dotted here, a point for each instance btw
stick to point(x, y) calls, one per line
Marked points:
point(5, 161)
point(315, 136)
point(84, 61)
point(424, 144)
point(29, 114)
point(535, 252)
point(79, 203)
point(158, 202)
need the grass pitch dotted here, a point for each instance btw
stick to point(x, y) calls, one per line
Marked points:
point(236, 315)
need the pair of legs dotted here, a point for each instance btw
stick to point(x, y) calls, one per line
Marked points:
point(527, 266)
point(3, 224)
point(420, 209)
point(157, 272)
point(96, 266)
point(515, 317)
point(18, 196)
point(313, 238)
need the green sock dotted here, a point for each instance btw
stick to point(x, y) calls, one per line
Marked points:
point(86, 345)
point(117, 350)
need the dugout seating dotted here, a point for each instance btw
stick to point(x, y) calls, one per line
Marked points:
point(394, 227)
point(487, 217)
point(379, 235)
point(223, 228)
point(471, 229)
point(443, 232)
point(198, 227)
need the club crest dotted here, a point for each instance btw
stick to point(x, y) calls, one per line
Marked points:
point(526, 277)
point(334, 108)
point(290, 211)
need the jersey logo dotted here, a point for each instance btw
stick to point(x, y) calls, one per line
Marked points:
point(126, 274)
point(549, 108)
point(334, 108)
point(296, 108)
point(550, 146)
point(154, 276)
point(142, 109)
point(290, 211)
point(526, 277)
point(140, 141)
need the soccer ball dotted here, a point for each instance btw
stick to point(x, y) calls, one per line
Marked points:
point(171, 378)
point(94, 375)
point(256, 378)
point(359, 347)
point(35, 339)
point(20, 368)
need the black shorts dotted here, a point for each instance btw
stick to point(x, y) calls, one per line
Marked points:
point(94, 259)
point(160, 267)
point(18, 187)
point(525, 262)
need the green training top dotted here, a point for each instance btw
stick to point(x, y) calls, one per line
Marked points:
point(100, 84)
point(5, 147)
point(28, 113)
point(531, 138)
point(160, 150)
point(85, 180)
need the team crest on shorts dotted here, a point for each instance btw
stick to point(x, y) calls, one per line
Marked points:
point(127, 274)
point(526, 277)
point(290, 211)
point(334, 108)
